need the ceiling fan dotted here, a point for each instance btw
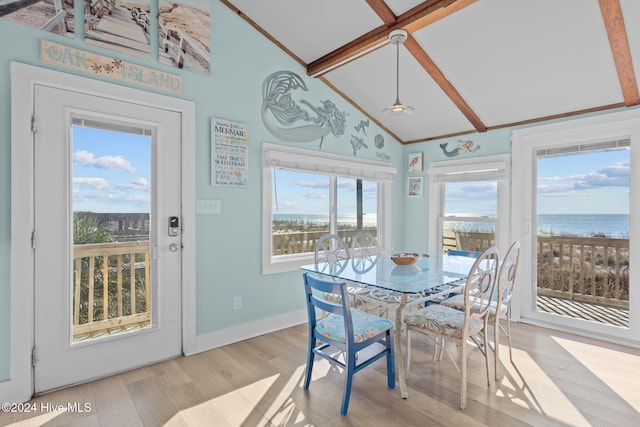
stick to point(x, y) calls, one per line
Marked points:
point(398, 37)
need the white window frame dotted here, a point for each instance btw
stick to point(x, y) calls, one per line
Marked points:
point(487, 168)
point(293, 158)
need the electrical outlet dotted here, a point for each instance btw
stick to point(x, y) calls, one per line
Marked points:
point(237, 303)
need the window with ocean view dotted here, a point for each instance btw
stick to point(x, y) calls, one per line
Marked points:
point(302, 209)
point(306, 196)
point(470, 212)
point(470, 198)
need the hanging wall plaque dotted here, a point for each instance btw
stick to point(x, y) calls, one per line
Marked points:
point(229, 153)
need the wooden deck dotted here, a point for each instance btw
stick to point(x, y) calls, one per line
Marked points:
point(583, 310)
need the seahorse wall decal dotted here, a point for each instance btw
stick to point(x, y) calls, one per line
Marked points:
point(278, 105)
point(463, 147)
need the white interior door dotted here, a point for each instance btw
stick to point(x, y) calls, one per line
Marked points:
point(107, 264)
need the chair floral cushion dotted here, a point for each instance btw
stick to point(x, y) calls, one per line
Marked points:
point(365, 326)
point(457, 302)
point(442, 320)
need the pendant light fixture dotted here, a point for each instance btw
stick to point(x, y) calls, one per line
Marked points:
point(398, 37)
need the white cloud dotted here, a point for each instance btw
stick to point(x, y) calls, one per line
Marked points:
point(313, 184)
point(314, 195)
point(615, 175)
point(139, 184)
point(91, 182)
point(105, 162)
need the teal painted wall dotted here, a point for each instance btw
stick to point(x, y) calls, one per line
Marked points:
point(228, 245)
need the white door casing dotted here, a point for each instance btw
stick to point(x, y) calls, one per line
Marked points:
point(24, 78)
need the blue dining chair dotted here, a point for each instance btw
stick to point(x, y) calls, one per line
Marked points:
point(344, 330)
point(459, 252)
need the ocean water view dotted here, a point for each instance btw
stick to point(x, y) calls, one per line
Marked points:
point(605, 225)
point(587, 225)
point(368, 220)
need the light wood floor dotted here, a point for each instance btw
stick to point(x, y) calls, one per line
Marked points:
point(556, 380)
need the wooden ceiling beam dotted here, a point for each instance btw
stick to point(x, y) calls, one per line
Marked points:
point(419, 17)
point(383, 11)
point(617, 33)
point(436, 74)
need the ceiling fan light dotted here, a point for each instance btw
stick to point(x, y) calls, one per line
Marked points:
point(398, 108)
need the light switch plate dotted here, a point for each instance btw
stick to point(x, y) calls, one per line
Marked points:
point(207, 206)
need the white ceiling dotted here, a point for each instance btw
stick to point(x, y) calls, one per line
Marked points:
point(508, 61)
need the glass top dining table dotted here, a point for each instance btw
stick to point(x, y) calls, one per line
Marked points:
point(378, 280)
point(380, 271)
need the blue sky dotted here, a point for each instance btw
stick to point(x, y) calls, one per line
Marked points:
point(590, 183)
point(309, 193)
point(595, 182)
point(111, 171)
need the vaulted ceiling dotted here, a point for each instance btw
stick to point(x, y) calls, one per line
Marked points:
point(467, 65)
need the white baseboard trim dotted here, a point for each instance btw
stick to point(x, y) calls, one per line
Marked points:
point(245, 331)
point(12, 391)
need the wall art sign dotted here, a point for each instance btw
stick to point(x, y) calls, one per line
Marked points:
point(462, 147)
point(184, 28)
point(415, 162)
point(55, 16)
point(299, 121)
point(92, 63)
point(229, 153)
point(414, 185)
point(124, 27)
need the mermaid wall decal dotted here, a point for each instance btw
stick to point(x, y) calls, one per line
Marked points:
point(287, 120)
point(463, 147)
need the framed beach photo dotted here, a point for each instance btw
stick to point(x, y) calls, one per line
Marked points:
point(414, 185)
point(415, 162)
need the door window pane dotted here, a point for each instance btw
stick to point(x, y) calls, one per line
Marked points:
point(583, 234)
point(111, 208)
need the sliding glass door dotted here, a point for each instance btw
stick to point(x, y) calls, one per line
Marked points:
point(574, 205)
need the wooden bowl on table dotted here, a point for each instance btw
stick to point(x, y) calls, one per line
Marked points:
point(406, 258)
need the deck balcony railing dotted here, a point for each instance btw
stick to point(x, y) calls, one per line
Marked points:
point(586, 269)
point(297, 242)
point(111, 280)
point(111, 288)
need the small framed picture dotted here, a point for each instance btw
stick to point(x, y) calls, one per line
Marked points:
point(414, 184)
point(415, 162)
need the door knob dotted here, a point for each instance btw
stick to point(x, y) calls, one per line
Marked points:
point(173, 247)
